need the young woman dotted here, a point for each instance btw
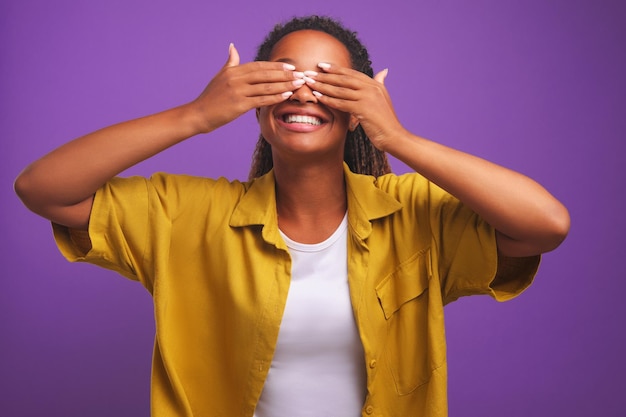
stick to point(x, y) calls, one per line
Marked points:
point(311, 289)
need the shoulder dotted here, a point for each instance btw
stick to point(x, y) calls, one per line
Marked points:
point(170, 193)
point(412, 188)
point(165, 181)
point(421, 200)
point(178, 186)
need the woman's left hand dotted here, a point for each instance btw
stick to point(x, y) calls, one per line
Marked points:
point(527, 218)
point(366, 99)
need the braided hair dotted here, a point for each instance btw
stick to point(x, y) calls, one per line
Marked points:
point(360, 154)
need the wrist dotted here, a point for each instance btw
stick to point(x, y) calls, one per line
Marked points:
point(394, 143)
point(194, 117)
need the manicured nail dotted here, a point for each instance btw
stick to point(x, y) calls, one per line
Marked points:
point(310, 73)
point(288, 67)
point(309, 80)
point(317, 94)
point(323, 65)
point(298, 74)
point(287, 94)
point(298, 83)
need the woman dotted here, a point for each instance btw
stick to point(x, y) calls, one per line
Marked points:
point(310, 289)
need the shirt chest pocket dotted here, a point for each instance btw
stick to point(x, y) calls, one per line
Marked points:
point(414, 344)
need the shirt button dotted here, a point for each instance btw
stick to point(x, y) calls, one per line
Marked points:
point(369, 409)
point(373, 363)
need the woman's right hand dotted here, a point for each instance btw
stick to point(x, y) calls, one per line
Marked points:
point(236, 89)
point(60, 185)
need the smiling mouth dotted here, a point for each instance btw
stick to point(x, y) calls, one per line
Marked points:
point(301, 119)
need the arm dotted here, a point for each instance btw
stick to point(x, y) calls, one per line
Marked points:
point(60, 186)
point(527, 218)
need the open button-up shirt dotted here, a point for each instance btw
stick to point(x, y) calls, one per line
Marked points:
point(210, 253)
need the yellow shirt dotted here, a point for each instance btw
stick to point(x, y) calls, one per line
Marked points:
point(210, 253)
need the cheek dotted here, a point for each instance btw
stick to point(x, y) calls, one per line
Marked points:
point(342, 119)
point(263, 117)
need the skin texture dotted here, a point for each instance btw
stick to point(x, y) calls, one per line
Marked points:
point(311, 195)
point(60, 185)
point(327, 139)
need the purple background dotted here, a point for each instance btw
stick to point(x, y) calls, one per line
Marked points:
point(536, 85)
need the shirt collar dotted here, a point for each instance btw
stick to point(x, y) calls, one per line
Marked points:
point(366, 202)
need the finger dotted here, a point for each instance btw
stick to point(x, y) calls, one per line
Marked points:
point(340, 90)
point(273, 88)
point(267, 100)
point(233, 56)
point(260, 72)
point(380, 77)
point(327, 68)
point(347, 78)
point(346, 106)
point(269, 74)
point(268, 65)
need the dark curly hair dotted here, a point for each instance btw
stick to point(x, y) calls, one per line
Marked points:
point(359, 153)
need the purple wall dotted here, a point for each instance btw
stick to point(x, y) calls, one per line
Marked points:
point(538, 86)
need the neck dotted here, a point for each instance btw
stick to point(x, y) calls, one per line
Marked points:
point(310, 200)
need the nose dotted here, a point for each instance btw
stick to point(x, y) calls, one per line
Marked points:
point(303, 95)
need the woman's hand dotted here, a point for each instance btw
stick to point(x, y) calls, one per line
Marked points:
point(60, 186)
point(366, 99)
point(527, 218)
point(235, 89)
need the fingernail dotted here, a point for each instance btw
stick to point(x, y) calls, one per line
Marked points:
point(323, 65)
point(317, 94)
point(287, 94)
point(309, 80)
point(298, 74)
point(310, 73)
point(298, 83)
point(289, 67)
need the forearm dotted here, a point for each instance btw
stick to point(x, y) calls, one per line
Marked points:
point(60, 186)
point(73, 172)
point(528, 218)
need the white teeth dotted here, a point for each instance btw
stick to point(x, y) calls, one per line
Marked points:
point(297, 118)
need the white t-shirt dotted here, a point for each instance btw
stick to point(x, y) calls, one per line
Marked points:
point(318, 367)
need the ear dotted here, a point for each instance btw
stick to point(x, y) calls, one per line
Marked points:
point(353, 123)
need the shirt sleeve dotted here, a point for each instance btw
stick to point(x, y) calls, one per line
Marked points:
point(467, 255)
point(123, 218)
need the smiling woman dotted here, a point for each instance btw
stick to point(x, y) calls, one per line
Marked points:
point(317, 287)
point(359, 153)
point(282, 124)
